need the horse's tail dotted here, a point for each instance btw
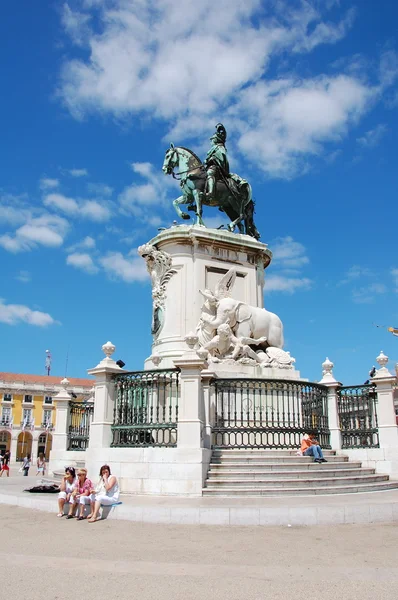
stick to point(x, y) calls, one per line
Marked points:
point(250, 227)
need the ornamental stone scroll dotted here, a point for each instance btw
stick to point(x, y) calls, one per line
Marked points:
point(159, 267)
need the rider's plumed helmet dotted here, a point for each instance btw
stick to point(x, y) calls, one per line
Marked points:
point(220, 136)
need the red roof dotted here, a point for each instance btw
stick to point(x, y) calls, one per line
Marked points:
point(44, 379)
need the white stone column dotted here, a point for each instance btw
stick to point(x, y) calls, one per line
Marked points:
point(191, 413)
point(332, 384)
point(14, 444)
point(388, 429)
point(208, 405)
point(104, 399)
point(35, 446)
point(60, 433)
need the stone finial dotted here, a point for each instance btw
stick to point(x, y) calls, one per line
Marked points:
point(327, 371)
point(156, 359)
point(191, 340)
point(382, 360)
point(108, 349)
point(65, 382)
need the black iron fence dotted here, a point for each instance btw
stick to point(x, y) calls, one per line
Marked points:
point(357, 408)
point(81, 414)
point(146, 409)
point(261, 413)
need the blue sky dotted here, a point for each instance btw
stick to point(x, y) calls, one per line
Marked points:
point(93, 91)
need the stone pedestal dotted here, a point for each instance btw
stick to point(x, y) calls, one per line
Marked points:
point(189, 259)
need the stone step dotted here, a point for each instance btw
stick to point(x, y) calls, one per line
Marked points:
point(252, 492)
point(295, 483)
point(266, 460)
point(302, 475)
point(262, 452)
point(298, 465)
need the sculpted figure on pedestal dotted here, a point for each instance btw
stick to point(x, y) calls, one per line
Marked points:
point(244, 320)
point(233, 330)
point(211, 184)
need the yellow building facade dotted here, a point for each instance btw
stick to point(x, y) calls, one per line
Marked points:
point(28, 411)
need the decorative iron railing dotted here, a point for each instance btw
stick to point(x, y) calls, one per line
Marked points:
point(146, 409)
point(357, 408)
point(81, 414)
point(264, 413)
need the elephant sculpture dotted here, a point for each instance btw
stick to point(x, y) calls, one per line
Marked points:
point(245, 321)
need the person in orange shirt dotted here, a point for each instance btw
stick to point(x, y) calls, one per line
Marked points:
point(310, 447)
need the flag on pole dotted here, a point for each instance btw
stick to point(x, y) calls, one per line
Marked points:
point(32, 425)
point(48, 425)
point(23, 427)
point(393, 330)
point(11, 424)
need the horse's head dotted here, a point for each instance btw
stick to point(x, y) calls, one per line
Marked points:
point(170, 160)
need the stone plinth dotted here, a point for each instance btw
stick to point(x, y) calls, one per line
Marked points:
point(193, 258)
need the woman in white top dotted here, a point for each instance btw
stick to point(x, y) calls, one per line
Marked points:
point(106, 492)
point(67, 486)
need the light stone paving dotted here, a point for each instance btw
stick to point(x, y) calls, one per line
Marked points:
point(46, 557)
point(376, 507)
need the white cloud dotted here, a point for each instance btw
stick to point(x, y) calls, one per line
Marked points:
point(13, 314)
point(283, 283)
point(354, 273)
point(143, 199)
point(46, 183)
point(394, 273)
point(82, 261)
point(129, 269)
point(135, 66)
point(88, 243)
point(24, 276)
point(78, 172)
point(100, 189)
point(89, 209)
point(288, 254)
point(13, 209)
point(367, 294)
point(66, 205)
point(372, 138)
point(46, 230)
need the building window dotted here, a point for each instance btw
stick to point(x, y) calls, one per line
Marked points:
point(28, 398)
point(47, 420)
point(27, 416)
point(7, 397)
point(6, 415)
point(48, 399)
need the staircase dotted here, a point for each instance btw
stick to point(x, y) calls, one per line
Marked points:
point(283, 473)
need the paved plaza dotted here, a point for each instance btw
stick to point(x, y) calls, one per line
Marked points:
point(46, 557)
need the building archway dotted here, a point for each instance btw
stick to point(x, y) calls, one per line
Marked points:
point(44, 445)
point(5, 441)
point(24, 445)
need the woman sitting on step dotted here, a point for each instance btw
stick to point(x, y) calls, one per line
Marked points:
point(310, 447)
point(67, 486)
point(106, 492)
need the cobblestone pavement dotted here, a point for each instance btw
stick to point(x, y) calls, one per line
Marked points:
point(44, 557)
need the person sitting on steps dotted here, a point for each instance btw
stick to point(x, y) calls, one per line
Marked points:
point(310, 447)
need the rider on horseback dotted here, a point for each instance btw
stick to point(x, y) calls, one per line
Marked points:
point(216, 163)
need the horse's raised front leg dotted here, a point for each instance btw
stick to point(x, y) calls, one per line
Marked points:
point(176, 203)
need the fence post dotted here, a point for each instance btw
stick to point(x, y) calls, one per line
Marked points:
point(104, 399)
point(388, 430)
point(60, 433)
point(208, 405)
point(191, 412)
point(332, 384)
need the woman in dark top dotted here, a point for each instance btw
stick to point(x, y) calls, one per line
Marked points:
point(5, 464)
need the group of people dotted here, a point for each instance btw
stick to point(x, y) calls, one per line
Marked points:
point(26, 464)
point(78, 490)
